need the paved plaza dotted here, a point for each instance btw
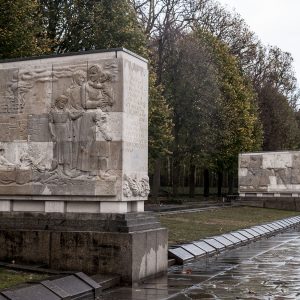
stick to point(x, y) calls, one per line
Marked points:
point(266, 269)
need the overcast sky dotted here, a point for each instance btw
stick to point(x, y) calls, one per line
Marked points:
point(275, 22)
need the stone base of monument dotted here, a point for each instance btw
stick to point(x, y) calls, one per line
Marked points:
point(282, 201)
point(132, 245)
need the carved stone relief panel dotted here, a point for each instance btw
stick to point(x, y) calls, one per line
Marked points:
point(273, 172)
point(74, 126)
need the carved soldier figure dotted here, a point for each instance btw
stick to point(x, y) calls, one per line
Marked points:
point(75, 94)
point(61, 133)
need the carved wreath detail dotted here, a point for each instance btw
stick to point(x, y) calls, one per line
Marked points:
point(133, 187)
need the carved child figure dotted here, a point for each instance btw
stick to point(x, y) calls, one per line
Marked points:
point(99, 151)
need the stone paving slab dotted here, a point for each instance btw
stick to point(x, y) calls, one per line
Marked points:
point(271, 227)
point(284, 223)
point(293, 221)
point(240, 236)
point(180, 255)
point(232, 238)
point(279, 224)
point(194, 250)
point(253, 232)
point(206, 247)
point(261, 230)
point(227, 243)
point(276, 226)
point(214, 243)
point(247, 234)
point(287, 221)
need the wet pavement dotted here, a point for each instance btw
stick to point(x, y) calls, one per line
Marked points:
point(265, 269)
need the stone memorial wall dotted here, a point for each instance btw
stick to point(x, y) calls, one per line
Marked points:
point(74, 133)
point(274, 174)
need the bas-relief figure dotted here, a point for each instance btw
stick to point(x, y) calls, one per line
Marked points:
point(277, 175)
point(76, 117)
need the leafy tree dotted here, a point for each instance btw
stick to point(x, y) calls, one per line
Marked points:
point(79, 25)
point(20, 29)
point(239, 125)
point(160, 131)
point(191, 87)
point(281, 131)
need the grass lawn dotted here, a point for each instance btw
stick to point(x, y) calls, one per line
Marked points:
point(186, 227)
point(9, 278)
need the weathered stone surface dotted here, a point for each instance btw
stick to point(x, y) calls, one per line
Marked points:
point(75, 125)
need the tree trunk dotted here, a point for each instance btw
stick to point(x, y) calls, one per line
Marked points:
point(206, 183)
point(220, 183)
point(192, 180)
point(156, 179)
point(230, 182)
point(176, 171)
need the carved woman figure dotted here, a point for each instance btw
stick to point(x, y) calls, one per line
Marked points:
point(96, 91)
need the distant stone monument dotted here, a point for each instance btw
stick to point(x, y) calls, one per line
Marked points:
point(271, 178)
point(73, 164)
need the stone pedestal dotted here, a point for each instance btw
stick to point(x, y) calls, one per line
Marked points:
point(74, 165)
point(132, 245)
